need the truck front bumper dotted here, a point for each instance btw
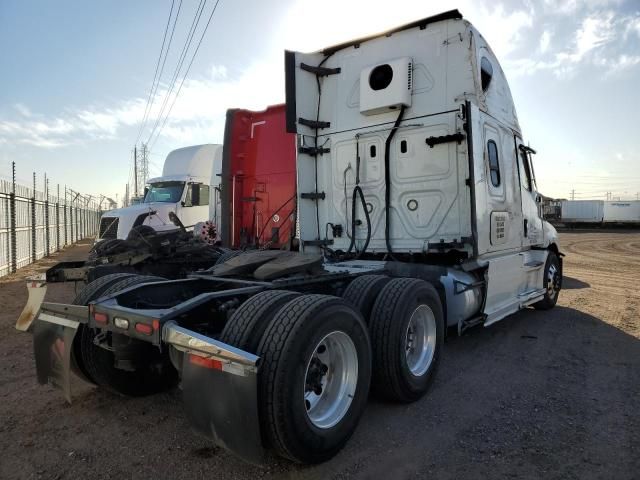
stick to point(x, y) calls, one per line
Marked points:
point(219, 382)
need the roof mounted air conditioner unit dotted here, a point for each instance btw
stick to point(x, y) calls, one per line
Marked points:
point(386, 86)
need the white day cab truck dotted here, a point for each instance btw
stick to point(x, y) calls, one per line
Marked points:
point(418, 216)
point(188, 187)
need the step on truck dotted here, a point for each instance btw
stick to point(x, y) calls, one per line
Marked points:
point(418, 216)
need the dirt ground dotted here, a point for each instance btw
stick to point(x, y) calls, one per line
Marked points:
point(539, 395)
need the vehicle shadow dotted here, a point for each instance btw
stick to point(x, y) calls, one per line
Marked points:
point(569, 283)
point(540, 394)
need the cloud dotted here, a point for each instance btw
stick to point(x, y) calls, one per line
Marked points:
point(595, 32)
point(22, 109)
point(545, 40)
point(198, 113)
point(530, 38)
point(571, 7)
point(599, 40)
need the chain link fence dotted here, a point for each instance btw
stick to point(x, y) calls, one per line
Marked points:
point(34, 224)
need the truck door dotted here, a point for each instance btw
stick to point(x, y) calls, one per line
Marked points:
point(195, 206)
point(503, 219)
point(531, 219)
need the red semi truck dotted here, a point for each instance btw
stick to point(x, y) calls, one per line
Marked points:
point(259, 179)
point(254, 207)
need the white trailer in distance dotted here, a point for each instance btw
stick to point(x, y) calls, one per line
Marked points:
point(418, 215)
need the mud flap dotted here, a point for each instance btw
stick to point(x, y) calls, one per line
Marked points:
point(52, 345)
point(36, 290)
point(220, 385)
point(223, 406)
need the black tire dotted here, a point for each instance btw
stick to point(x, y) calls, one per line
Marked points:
point(141, 231)
point(363, 291)
point(154, 374)
point(89, 293)
point(292, 335)
point(390, 317)
point(94, 289)
point(552, 283)
point(247, 324)
point(227, 256)
point(129, 282)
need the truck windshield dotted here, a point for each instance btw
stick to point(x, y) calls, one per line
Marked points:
point(169, 192)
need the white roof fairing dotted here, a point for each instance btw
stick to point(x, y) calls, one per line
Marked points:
point(194, 161)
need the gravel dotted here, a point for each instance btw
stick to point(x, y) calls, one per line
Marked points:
point(551, 394)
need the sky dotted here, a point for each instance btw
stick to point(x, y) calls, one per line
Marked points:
point(75, 78)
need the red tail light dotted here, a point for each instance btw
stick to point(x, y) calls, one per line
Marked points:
point(101, 318)
point(144, 328)
point(205, 362)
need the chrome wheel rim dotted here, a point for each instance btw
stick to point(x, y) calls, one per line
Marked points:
point(420, 340)
point(552, 281)
point(330, 379)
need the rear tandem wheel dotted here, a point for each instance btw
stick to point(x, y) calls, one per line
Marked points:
point(314, 378)
point(407, 334)
point(363, 291)
point(247, 324)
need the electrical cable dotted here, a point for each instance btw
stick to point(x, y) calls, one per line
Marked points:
point(275, 213)
point(156, 83)
point(346, 199)
point(358, 191)
point(387, 180)
point(155, 74)
point(204, 32)
point(176, 73)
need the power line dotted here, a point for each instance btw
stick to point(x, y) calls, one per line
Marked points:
point(187, 72)
point(183, 55)
point(155, 92)
point(156, 77)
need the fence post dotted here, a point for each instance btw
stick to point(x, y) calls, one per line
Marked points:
point(46, 216)
point(12, 208)
point(33, 220)
point(64, 215)
point(81, 236)
point(71, 237)
point(58, 219)
point(7, 223)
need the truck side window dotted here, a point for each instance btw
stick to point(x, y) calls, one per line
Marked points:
point(486, 73)
point(494, 165)
point(525, 176)
point(204, 195)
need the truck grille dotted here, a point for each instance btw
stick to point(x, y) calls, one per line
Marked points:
point(108, 227)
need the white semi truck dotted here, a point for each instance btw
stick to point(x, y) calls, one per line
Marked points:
point(188, 187)
point(417, 217)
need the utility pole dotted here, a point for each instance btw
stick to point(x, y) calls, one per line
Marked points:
point(144, 165)
point(135, 170)
point(573, 194)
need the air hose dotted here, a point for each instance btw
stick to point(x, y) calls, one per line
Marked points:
point(387, 180)
point(358, 191)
